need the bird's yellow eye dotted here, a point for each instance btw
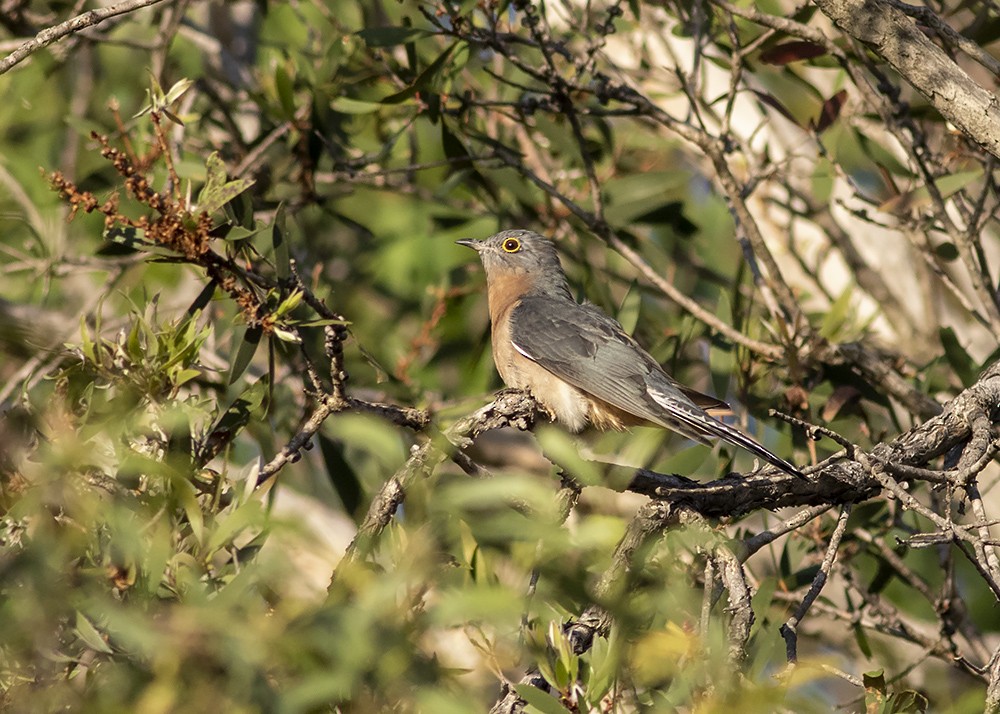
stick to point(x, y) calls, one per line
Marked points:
point(511, 245)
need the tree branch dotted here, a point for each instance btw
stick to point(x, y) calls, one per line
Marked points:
point(88, 19)
point(898, 40)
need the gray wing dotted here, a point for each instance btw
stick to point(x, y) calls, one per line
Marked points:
point(591, 351)
point(588, 349)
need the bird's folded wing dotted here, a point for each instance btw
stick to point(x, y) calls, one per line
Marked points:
point(588, 349)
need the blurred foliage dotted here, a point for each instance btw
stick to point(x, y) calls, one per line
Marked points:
point(350, 144)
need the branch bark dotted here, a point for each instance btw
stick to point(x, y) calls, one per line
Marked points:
point(50, 34)
point(897, 39)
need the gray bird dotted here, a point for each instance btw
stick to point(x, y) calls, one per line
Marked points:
point(578, 362)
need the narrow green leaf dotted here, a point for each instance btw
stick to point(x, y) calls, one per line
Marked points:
point(286, 91)
point(242, 233)
point(346, 105)
point(185, 375)
point(539, 701)
point(279, 240)
point(177, 90)
point(217, 192)
point(560, 448)
point(187, 496)
point(628, 313)
point(287, 336)
point(245, 352)
point(391, 36)
point(958, 358)
point(215, 176)
point(907, 702)
point(289, 304)
point(862, 639)
point(86, 344)
point(251, 404)
point(321, 323)
point(89, 635)
point(836, 317)
point(232, 524)
point(920, 196)
point(422, 80)
point(204, 297)
point(341, 474)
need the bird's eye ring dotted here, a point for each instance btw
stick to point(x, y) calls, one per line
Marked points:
point(511, 245)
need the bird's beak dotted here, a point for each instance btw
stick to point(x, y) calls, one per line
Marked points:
point(476, 245)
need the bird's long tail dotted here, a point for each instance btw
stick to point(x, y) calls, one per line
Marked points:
point(691, 421)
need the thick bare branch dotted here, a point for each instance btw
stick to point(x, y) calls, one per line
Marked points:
point(897, 39)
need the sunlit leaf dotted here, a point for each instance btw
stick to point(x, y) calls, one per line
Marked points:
point(217, 191)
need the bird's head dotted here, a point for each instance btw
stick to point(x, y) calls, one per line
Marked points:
point(522, 253)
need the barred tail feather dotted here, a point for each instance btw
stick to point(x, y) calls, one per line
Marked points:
point(694, 423)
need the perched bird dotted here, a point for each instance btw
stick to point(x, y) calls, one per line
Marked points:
point(577, 361)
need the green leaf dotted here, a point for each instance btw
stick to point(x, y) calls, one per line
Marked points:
point(391, 36)
point(862, 639)
point(251, 404)
point(687, 462)
point(286, 91)
point(135, 238)
point(242, 232)
point(958, 358)
point(89, 635)
point(453, 148)
point(907, 702)
point(204, 297)
point(240, 212)
point(185, 375)
point(837, 316)
point(289, 304)
point(628, 313)
point(342, 475)
point(245, 351)
point(346, 105)
point(920, 196)
point(874, 679)
point(560, 448)
point(217, 192)
point(653, 195)
point(177, 90)
point(321, 323)
point(539, 701)
point(87, 345)
point(875, 696)
point(286, 336)
point(187, 496)
point(423, 79)
point(946, 251)
point(279, 241)
point(232, 524)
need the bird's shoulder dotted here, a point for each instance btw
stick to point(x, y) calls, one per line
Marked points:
point(563, 315)
point(554, 329)
point(584, 345)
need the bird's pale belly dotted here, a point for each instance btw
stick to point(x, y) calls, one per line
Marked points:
point(570, 406)
point(567, 404)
